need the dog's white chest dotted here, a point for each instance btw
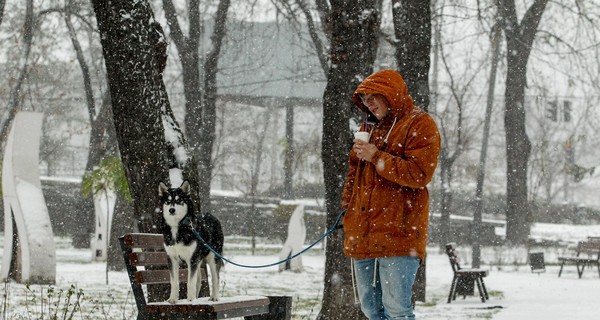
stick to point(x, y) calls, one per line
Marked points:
point(180, 251)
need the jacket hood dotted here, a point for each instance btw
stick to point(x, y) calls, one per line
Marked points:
point(388, 83)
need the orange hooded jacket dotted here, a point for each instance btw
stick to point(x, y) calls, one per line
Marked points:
point(387, 198)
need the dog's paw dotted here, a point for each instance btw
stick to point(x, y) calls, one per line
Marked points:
point(172, 300)
point(214, 298)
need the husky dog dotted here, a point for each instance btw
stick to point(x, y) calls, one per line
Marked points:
point(182, 244)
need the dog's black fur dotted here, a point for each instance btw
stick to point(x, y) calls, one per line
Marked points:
point(177, 226)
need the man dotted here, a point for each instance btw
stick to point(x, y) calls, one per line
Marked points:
point(386, 195)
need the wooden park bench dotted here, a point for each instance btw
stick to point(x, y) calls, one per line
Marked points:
point(464, 278)
point(588, 254)
point(146, 263)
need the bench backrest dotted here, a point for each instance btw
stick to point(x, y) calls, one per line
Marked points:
point(451, 252)
point(589, 247)
point(146, 262)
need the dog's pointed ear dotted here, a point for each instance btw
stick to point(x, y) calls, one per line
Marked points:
point(162, 188)
point(185, 187)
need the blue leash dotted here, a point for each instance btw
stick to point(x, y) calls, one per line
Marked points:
point(331, 230)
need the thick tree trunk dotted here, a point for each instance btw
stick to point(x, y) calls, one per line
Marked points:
point(412, 28)
point(135, 54)
point(518, 150)
point(149, 137)
point(352, 53)
point(519, 41)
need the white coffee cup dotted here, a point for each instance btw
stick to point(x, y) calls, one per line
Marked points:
point(362, 135)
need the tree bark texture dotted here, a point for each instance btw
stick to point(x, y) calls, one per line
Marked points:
point(412, 28)
point(519, 41)
point(288, 162)
point(353, 26)
point(135, 54)
point(149, 137)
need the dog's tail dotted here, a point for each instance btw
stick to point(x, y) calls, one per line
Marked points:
point(220, 263)
point(215, 225)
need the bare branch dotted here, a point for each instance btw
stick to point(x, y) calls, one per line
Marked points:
point(173, 23)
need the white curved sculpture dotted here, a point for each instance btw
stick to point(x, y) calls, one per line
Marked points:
point(294, 242)
point(25, 207)
point(104, 207)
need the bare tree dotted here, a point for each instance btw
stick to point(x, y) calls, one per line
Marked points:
point(519, 41)
point(353, 26)
point(85, 70)
point(149, 138)
point(455, 136)
point(102, 142)
point(412, 28)
point(209, 103)
point(16, 90)
point(287, 7)
point(200, 116)
point(477, 215)
point(255, 172)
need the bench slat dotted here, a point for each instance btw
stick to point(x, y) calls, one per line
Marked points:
point(577, 259)
point(140, 259)
point(202, 305)
point(472, 273)
point(591, 246)
point(144, 240)
point(162, 276)
point(181, 312)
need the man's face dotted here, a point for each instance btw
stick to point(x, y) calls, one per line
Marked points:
point(376, 104)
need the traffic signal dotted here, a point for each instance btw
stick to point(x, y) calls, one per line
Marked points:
point(552, 111)
point(566, 111)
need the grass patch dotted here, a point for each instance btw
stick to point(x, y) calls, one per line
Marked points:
point(496, 294)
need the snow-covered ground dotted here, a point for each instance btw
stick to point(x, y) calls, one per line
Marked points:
point(515, 292)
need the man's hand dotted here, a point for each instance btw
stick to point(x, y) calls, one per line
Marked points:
point(364, 150)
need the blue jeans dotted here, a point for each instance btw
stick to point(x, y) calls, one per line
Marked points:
point(385, 286)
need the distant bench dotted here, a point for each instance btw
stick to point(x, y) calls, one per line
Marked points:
point(146, 263)
point(463, 282)
point(588, 254)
